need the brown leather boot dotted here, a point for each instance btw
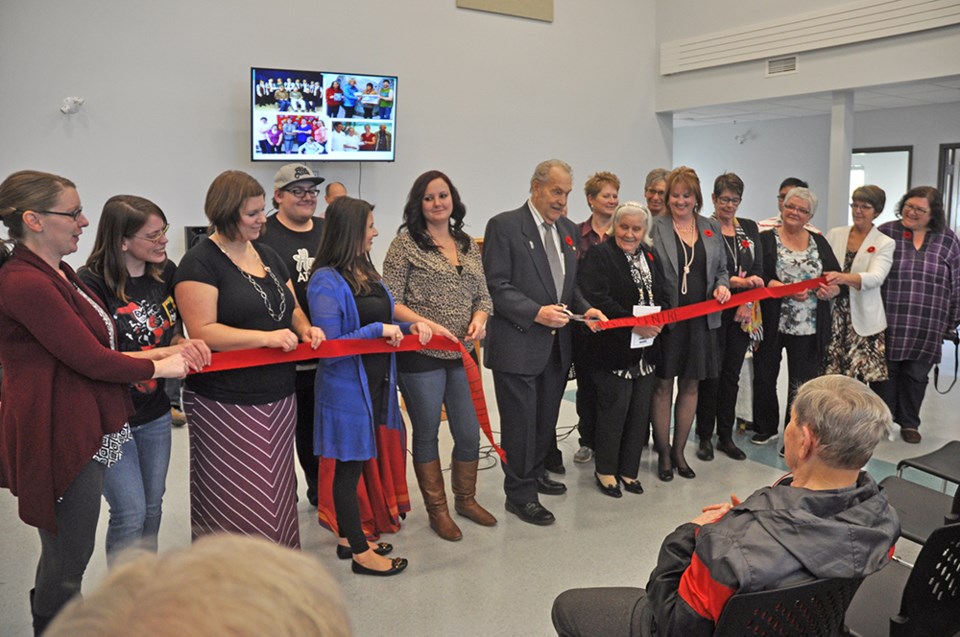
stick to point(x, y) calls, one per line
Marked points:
point(430, 479)
point(464, 489)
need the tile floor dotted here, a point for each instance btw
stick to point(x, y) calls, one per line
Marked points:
point(500, 580)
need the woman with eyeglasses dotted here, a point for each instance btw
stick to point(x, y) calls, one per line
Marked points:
point(922, 299)
point(63, 419)
point(799, 324)
point(235, 293)
point(129, 271)
point(717, 397)
point(857, 345)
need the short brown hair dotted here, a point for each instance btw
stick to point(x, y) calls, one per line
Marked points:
point(688, 177)
point(226, 196)
point(598, 180)
point(728, 181)
point(872, 195)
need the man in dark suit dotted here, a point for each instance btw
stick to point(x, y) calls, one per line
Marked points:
point(530, 259)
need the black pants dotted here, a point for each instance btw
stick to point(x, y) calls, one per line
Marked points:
point(304, 435)
point(599, 612)
point(623, 422)
point(903, 390)
point(528, 406)
point(803, 363)
point(346, 476)
point(64, 556)
point(717, 397)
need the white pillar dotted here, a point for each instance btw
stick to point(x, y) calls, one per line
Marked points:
point(834, 208)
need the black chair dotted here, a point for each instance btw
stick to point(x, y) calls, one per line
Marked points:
point(943, 463)
point(804, 610)
point(929, 593)
point(921, 509)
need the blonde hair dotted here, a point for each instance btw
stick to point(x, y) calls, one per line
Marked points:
point(222, 585)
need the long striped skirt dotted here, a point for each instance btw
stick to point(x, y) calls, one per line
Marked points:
point(241, 468)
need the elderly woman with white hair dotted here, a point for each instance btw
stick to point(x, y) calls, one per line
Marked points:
point(801, 323)
point(616, 276)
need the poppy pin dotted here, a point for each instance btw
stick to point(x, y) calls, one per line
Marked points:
point(871, 249)
point(745, 244)
point(907, 234)
point(708, 233)
point(569, 241)
point(650, 257)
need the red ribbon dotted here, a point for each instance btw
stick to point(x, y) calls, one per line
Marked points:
point(709, 307)
point(223, 361)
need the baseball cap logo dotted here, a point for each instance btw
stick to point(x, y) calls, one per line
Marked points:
point(301, 171)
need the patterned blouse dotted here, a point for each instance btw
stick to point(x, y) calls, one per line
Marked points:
point(921, 294)
point(431, 286)
point(798, 318)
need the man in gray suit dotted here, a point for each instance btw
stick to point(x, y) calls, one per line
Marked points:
point(530, 259)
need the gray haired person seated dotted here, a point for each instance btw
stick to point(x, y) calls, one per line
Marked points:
point(826, 519)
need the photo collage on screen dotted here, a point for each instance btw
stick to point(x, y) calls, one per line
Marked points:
point(310, 115)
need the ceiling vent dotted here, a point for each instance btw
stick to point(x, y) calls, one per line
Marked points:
point(782, 66)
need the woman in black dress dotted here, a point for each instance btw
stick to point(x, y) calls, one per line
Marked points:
point(688, 252)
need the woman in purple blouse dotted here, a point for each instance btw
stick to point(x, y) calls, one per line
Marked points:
point(922, 300)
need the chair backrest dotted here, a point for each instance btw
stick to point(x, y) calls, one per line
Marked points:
point(931, 598)
point(814, 608)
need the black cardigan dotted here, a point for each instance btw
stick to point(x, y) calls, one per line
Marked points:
point(605, 282)
point(770, 308)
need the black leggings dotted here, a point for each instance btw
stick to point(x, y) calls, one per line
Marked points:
point(346, 476)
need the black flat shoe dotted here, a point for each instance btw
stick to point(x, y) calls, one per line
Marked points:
point(345, 552)
point(686, 472)
point(728, 447)
point(705, 452)
point(530, 512)
point(612, 491)
point(546, 486)
point(633, 487)
point(397, 564)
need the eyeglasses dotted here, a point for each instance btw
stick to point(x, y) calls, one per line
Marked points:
point(907, 207)
point(658, 193)
point(73, 215)
point(726, 201)
point(794, 208)
point(857, 205)
point(781, 197)
point(300, 193)
point(156, 237)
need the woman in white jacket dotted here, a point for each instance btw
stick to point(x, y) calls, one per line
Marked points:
point(857, 345)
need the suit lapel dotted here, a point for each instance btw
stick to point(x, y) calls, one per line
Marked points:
point(534, 244)
point(568, 250)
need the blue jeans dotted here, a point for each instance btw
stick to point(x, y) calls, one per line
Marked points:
point(424, 393)
point(134, 487)
point(385, 112)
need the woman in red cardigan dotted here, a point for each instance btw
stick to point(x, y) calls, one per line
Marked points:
point(65, 400)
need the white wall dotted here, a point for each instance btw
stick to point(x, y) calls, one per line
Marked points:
point(798, 147)
point(924, 55)
point(483, 97)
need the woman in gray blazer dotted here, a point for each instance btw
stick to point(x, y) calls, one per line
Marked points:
point(689, 254)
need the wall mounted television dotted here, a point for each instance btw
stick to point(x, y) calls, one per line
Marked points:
point(322, 116)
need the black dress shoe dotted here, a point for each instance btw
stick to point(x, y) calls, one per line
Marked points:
point(613, 490)
point(397, 564)
point(345, 552)
point(633, 487)
point(683, 471)
point(728, 447)
point(705, 452)
point(546, 486)
point(531, 512)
